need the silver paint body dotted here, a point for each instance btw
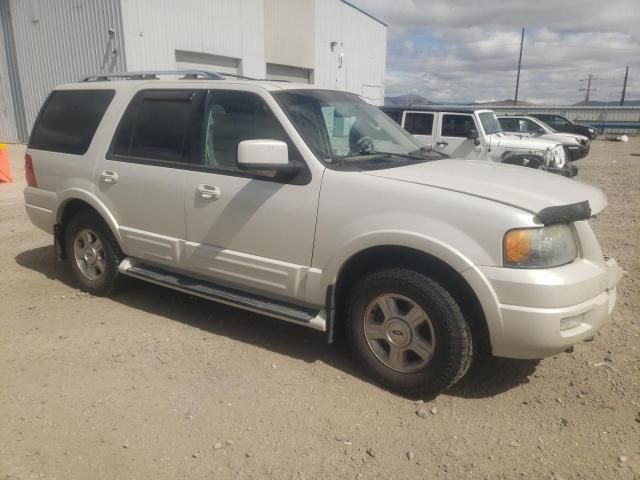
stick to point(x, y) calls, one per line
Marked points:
point(289, 242)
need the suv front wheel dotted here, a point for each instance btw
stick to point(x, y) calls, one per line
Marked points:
point(93, 252)
point(408, 331)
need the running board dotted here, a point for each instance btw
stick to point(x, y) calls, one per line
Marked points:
point(315, 319)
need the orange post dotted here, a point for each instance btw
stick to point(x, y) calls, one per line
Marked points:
point(5, 166)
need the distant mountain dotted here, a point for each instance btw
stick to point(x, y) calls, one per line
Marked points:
point(506, 103)
point(596, 103)
point(406, 100)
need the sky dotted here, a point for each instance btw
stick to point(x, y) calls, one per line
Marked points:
point(467, 50)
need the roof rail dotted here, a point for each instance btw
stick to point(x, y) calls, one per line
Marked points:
point(153, 75)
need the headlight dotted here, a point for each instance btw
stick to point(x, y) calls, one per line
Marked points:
point(543, 247)
point(592, 130)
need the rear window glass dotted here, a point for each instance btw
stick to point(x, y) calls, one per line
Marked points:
point(69, 119)
point(155, 126)
point(395, 115)
point(418, 123)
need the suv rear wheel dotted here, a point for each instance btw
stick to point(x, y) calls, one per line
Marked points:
point(93, 252)
point(408, 331)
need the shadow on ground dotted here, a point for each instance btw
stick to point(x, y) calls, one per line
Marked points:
point(486, 378)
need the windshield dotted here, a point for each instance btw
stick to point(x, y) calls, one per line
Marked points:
point(545, 126)
point(490, 123)
point(342, 128)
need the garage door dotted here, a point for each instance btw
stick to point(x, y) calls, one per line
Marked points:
point(290, 74)
point(205, 61)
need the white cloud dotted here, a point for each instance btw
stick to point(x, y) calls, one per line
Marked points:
point(468, 49)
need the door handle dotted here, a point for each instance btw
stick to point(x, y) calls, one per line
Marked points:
point(442, 144)
point(209, 192)
point(109, 176)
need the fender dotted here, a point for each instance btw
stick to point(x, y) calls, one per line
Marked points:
point(70, 194)
point(320, 279)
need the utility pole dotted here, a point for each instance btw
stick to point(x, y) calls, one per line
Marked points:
point(624, 86)
point(515, 99)
point(588, 90)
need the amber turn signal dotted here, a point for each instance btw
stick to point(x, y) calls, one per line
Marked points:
point(517, 246)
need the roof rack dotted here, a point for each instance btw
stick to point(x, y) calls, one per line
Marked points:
point(153, 75)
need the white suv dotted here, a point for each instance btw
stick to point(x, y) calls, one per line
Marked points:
point(313, 207)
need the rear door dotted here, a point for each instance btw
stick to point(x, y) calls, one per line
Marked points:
point(257, 231)
point(420, 125)
point(453, 131)
point(141, 179)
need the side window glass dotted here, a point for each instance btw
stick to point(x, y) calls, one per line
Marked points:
point(395, 115)
point(508, 124)
point(156, 126)
point(232, 117)
point(418, 123)
point(69, 120)
point(457, 125)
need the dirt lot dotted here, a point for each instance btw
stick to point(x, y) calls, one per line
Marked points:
point(155, 384)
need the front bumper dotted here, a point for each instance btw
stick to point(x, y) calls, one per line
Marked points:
point(544, 312)
point(579, 151)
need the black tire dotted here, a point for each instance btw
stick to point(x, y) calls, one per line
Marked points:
point(110, 280)
point(453, 350)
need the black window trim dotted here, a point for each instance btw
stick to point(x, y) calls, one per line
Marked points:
point(201, 95)
point(44, 107)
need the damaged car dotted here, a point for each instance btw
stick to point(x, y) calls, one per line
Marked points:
point(468, 133)
point(576, 146)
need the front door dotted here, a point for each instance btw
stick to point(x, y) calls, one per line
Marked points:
point(141, 180)
point(257, 230)
point(454, 130)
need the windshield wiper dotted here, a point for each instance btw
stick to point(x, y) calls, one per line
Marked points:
point(429, 150)
point(384, 154)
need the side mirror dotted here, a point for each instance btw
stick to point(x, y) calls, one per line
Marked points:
point(264, 156)
point(472, 134)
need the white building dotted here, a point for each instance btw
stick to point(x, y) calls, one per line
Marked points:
point(43, 43)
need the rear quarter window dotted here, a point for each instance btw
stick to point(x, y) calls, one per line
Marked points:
point(69, 119)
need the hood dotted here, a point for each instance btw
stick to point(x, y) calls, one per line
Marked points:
point(565, 138)
point(516, 142)
point(524, 188)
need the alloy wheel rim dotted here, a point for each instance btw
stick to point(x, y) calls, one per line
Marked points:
point(399, 333)
point(89, 254)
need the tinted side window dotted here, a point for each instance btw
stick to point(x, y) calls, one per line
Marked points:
point(418, 123)
point(69, 119)
point(457, 125)
point(395, 115)
point(232, 117)
point(156, 125)
point(508, 124)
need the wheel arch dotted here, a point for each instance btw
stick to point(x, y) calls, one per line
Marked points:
point(76, 201)
point(388, 256)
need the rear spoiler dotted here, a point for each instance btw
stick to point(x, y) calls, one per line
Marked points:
point(573, 212)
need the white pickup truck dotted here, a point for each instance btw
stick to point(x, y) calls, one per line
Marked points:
point(469, 133)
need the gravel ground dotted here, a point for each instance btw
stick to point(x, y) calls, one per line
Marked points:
point(156, 384)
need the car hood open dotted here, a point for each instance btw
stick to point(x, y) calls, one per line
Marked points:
point(525, 188)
